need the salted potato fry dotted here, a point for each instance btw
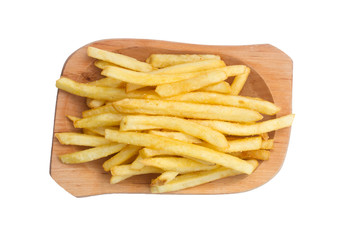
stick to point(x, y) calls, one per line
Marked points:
point(107, 108)
point(165, 60)
point(221, 87)
point(187, 110)
point(237, 129)
point(94, 103)
point(191, 67)
point(179, 148)
point(197, 178)
point(255, 104)
point(176, 164)
point(254, 154)
point(177, 135)
point(267, 144)
point(103, 64)
point(189, 85)
point(238, 145)
point(121, 157)
point(164, 178)
point(173, 123)
point(149, 152)
point(127, 170)
point(101, 120)
point(100, 130)
point(132, 87)
point(71, 138)
point(72, 118)
point(119, 59)
point(91, 154)
point(108, 82)
point(239, 82)
point(137, 164)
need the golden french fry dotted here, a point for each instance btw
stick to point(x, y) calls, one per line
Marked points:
point(72, 118)
point(197, 178)
point(179, 148)
point(107, 108)
point(127, 170)
point(100, 130)
point(254, 154)
point(237, 129)
point(191, 67)
point(132, 87)
point(166, 60)
point(101, 120)
point(108, 82)
point(149, 152)
point(239, 82)
point(238, 145)
point(121, 157)
point(267, 144)
point(164, 178)
point(80, 139)
point(255, 104)
point(89, 132)
point(221, 87)
point(91, 154)
point(187, 110)
point(176, 164)
point(103, 64)
point(94, 103)
point(119, 59)
point(137, 164)
point(189, 85)
point(177, 135)
point(173, 123)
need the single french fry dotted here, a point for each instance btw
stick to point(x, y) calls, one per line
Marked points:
point(108, 82)
point(189, 85)
point(89, 132)
point(107, 108)
point(72, 118)
point(254, 154)
point(237, 129)
point(255, 104)
point(101, 120)
point(100, 130)
point(239, 82)
point(166, 60)
point(191, 67)
point(94, 103)
point(177, 135)
point(164, 178)
point(127, 170)
point(149, 79)
point(103, 64)
point(176, 164)
point(100, 93)
point(121, 157)
point(197, 178)
point(80, 139)
point(179, 148)
point(137, 164)
point(238, 145)
point(91, 154)
point(119, 59)
point(187, 110)
point(132, 87)
point(267, 144)
point(149, 152)
point(221, 87)
point(174, 123)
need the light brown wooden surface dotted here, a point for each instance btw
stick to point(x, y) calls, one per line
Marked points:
point(270, 79)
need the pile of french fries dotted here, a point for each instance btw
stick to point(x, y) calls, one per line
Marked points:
point(174, 115)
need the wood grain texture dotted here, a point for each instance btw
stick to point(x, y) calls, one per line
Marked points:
point(270, 79)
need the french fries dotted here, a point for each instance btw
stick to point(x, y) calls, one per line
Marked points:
point(186, 109)
point(187, 123)
point(119, 59)
point(165, 60)
point(173, 123)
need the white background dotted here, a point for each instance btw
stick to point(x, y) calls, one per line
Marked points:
point(314, 196)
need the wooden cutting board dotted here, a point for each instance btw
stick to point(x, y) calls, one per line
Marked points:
point(270, 79)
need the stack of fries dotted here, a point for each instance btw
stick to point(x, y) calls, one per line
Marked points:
point(173, 115)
